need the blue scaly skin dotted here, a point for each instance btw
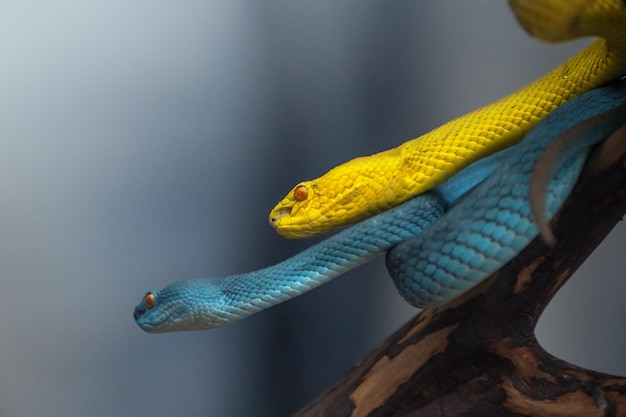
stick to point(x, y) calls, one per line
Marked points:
point(493, 223)
point(435, 255)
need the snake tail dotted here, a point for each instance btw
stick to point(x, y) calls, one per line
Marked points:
point(568, 143)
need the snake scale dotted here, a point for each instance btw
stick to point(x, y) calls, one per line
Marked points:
point(446, 240)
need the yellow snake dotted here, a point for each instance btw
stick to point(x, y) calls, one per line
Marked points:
point(369, 185)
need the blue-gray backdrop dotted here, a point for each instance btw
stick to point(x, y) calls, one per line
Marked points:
point(143, 142)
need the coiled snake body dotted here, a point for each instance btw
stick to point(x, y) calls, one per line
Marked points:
point(440, 243)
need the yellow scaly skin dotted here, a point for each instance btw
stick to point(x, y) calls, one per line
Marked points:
point(369, 185)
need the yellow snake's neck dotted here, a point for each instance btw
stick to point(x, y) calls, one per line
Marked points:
point(366, 186)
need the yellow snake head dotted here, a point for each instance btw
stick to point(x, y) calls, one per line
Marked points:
point(344, 195)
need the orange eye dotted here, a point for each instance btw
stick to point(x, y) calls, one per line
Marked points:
point(149, 300)
point(300, 193)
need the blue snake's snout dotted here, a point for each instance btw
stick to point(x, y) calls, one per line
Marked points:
point(187, 305)
point(146, 313)
point(139, 311)
point(158, 312)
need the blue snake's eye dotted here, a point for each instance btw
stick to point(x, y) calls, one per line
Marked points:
point(300, 193)
point(149, 300)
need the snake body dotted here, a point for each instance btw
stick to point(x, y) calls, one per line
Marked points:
point(358, 188)
point(434, 256)
point(494, 222)
point(444, 241)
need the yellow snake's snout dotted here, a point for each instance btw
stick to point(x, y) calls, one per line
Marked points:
point(278, 215)
point(293, 216)
point(289, 223)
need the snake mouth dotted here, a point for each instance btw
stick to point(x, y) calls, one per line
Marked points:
point(149, 321)
point(155, 326)
point(283, 221)
point(277, 215)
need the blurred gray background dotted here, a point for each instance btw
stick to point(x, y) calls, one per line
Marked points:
point(143, 142)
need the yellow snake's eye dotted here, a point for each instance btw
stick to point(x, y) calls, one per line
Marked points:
point(149, 300)
point(300, 193)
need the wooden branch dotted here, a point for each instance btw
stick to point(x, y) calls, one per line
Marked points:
point(478, 355)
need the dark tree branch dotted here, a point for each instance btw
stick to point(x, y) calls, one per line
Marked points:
point(478, 355)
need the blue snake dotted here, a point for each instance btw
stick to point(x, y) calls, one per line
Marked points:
point(439, 244)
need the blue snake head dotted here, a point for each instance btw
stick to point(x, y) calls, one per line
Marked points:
point(186, 305)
